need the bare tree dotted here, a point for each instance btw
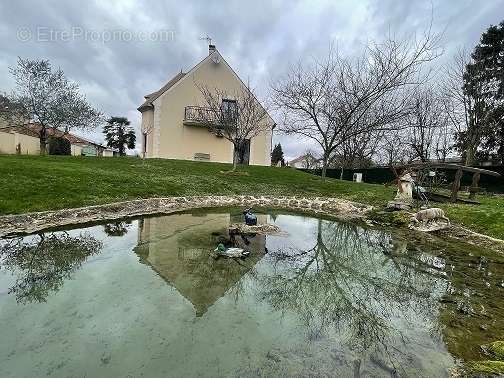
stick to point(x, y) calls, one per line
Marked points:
point(11, 113)
point(50, 99)
point(236, 116)
point(338, 98)
point(464, 107)
point(356, 152)
point(390, 151)
point(426, 125)
point(445, 140)
point(310, 160)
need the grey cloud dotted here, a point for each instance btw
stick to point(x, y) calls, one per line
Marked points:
point(259, 39)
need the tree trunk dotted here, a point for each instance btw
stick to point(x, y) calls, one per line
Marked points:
point(235, 159)
point(43, 141)
point(500, 151)
point(474, 185)
point(324, 171)
point(341, 174)
point(43, 147)
point(456, 185)
point(121, 140)
point(469, 159)
point(234, 163)
point(324, 167)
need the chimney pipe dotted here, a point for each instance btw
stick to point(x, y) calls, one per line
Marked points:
point(211, 49)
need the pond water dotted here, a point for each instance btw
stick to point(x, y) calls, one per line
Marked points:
point(322, 298)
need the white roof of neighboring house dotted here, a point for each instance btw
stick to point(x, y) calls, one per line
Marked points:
point(303, 158)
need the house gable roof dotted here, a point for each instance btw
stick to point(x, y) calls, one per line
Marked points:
point(150, 98)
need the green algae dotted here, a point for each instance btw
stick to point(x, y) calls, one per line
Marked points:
point(487, 366)
point(389, 218)
point(495, 349)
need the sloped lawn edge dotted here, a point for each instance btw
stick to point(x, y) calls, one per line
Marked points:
point(35, 222)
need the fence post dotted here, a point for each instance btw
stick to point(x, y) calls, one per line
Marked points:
point(456, 185)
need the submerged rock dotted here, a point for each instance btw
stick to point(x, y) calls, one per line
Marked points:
point(274, 356)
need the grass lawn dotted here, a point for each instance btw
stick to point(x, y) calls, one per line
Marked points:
point(34, 183)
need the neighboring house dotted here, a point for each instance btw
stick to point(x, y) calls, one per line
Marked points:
point(24, 140)
point(306, 161)
point(170, 125)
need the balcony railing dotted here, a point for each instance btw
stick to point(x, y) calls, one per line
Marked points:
point(201, 116)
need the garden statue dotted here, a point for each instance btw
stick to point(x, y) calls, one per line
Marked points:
point(428, 220)
point(231, 252)
point(404, 197)
point(250, 219)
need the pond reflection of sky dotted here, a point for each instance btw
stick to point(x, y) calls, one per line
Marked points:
point(328, 299)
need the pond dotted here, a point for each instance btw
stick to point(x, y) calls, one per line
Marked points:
point(147, 297)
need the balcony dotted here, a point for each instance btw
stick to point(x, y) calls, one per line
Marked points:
point(200, 116)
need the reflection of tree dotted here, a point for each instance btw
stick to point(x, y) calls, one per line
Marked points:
point(352, 280)
point(473, 303)
point(42, 263)
point(116, 228)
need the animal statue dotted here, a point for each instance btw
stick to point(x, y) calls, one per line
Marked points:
point(250, 219)
point(429, 214)
point(230, 252)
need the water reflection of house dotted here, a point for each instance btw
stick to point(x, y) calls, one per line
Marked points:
point(178, 247)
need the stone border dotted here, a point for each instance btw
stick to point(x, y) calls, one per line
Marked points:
point(35, 222)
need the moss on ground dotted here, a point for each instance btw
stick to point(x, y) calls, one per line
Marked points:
point(389, 218)
point(495, 349)
point(495, 366)
point(486, 366)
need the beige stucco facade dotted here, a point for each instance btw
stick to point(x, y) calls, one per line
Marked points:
point(163, 123)
point(9, 142)
point(12, 142)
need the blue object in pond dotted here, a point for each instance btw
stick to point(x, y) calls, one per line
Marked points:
point(250, 219)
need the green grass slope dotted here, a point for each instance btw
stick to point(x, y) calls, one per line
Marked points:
point(35, 183)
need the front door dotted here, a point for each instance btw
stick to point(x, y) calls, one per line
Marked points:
point(243, 154)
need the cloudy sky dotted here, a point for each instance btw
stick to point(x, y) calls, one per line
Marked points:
point(120, 50)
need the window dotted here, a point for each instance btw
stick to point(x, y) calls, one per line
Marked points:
point(229, 110)
point(201, 156)
point(144, 143)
